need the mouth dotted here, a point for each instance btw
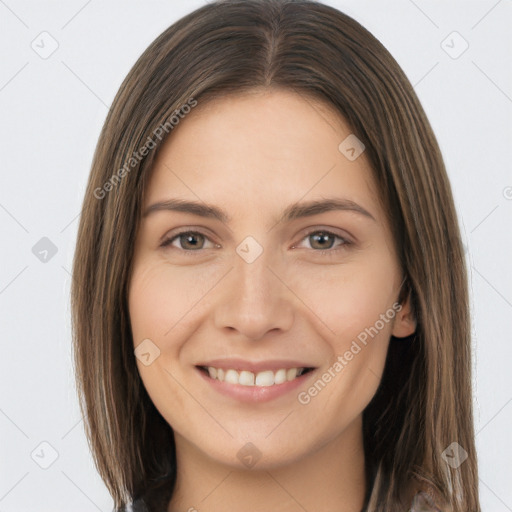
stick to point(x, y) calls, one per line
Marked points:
point(261, 379)
point(251, 382)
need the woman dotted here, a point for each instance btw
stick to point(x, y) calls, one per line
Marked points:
point(228, 357)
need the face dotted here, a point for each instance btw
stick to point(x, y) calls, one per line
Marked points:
point(257, 316)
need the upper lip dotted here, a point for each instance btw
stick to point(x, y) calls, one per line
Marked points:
point(253, 366)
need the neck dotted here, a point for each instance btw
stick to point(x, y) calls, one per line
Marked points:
point(331, 479)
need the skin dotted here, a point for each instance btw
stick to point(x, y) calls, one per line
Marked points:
point(253, 155)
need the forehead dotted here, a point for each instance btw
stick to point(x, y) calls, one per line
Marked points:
point(259, 150)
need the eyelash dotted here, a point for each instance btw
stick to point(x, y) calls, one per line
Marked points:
point(322, 252)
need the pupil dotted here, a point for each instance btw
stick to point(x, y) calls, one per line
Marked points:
point(190, 240)
point(322, 238)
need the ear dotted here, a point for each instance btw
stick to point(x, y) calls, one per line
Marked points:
point(405, 319)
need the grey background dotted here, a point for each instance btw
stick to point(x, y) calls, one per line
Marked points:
point(52, 110)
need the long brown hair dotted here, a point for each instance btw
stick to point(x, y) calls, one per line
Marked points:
point(424, 402)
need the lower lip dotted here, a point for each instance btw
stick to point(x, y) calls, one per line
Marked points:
point(254, 393)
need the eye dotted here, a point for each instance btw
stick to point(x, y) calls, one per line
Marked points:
point(189, 241)
point(322, 241)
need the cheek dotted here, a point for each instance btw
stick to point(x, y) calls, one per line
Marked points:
point(348, 298)
point(357, 304)
point(159, 299)
point(149, 304)
point(162, 298)
point(362, 317)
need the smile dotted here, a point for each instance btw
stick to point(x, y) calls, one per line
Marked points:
point(255, 384)
point(263, 378)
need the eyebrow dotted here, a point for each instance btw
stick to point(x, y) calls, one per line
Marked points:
point(294, 211)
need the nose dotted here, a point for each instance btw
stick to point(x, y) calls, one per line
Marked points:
point(254, 300)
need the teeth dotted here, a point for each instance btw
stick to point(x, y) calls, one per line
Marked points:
point(280, 376)
point(262, 379)
point(246, 378)
point(265, 378)
point(231, 377)
point(291, 373)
